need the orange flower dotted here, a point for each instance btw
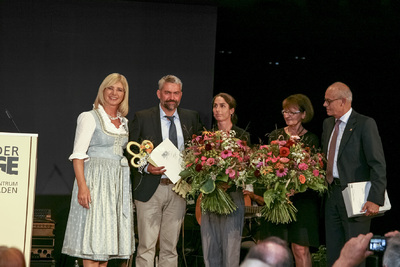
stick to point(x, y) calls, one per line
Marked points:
point(302, 178)
point(279, 165)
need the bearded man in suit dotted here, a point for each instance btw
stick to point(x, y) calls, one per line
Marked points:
point(355, 154)
point(160, 211)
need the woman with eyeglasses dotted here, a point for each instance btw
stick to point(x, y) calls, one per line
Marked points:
point(303, 233)
point(297, 109)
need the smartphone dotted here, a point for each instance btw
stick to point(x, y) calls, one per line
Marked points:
point(377, 244)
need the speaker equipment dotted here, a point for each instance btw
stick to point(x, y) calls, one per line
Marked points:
point(43, 238)
point(43, 227)
point(42, 242)
point(42, 253)
point(43, 263)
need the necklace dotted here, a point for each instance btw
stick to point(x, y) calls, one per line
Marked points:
point(114, 118)
point(298, 132)
point(302, 130)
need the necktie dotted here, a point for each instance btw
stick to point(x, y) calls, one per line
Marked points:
point(172, 131)
point(331, 155)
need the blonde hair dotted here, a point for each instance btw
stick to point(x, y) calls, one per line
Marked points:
point(112, 79)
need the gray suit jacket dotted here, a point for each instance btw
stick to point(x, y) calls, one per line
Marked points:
point(360, 156)
point(146, 125)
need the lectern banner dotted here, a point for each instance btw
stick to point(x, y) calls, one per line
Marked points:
point(18, 159)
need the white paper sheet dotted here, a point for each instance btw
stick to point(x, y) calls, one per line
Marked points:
point(355, 195)
point(168, 155)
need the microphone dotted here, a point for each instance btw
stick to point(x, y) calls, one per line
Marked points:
point(11, 118)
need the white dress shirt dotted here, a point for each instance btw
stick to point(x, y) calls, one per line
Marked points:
point(344, 119)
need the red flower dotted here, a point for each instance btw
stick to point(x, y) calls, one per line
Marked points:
point(208, 147)
point(199, 167)
point(284, 151)
point(257, 173)
point(289, 143)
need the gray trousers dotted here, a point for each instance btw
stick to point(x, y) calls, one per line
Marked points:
point(221, 235)
point(160, 217)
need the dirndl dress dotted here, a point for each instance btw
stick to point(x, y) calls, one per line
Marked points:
point(105, 230)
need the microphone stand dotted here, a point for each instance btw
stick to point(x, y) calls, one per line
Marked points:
point(11, 118)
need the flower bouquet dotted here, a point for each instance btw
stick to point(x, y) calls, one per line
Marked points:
point(212, 161)
point(285, 168)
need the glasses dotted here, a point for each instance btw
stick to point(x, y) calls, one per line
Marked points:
point(290, 112)
point(329, 101)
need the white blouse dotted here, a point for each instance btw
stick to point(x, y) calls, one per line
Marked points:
point(86, 125)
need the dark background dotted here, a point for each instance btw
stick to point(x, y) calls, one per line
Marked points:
point(268, 50)
point(54, 55)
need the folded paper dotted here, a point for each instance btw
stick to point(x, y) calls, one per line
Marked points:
point(355, 195)
point(168, 155)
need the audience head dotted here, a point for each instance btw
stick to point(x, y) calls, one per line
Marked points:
point(391, 257)
point(302, 103)
point(272, 251)
point(110, 80)
point(11, 257)
point(227, 103)
point(338, 98)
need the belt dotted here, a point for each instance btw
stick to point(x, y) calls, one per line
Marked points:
point(165, 181)
point(336, 181)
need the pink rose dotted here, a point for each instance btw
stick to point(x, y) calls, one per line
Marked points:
point(231, 173)
point(284, 160)
point(210, 161)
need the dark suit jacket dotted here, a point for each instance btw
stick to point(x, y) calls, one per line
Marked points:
point(146, 125)
point(361, 156)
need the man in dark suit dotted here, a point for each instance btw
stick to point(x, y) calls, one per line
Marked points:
point(160, 211)
point(355, 154)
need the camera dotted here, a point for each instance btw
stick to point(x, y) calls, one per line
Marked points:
point(377, 244)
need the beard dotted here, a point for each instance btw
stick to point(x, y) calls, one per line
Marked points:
point(170, 105)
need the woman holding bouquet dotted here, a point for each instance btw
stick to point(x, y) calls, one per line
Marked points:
point(303, 233)
point(221, 234)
